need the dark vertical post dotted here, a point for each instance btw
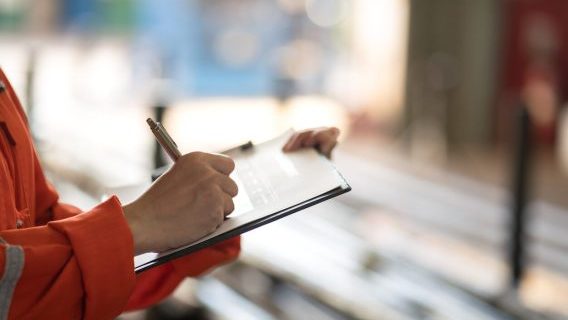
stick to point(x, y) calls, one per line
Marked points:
point(520, 184)
point(159, 160)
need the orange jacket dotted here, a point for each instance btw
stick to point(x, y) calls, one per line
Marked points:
point(59, 263)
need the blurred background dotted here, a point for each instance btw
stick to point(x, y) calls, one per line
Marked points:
point(454, 139)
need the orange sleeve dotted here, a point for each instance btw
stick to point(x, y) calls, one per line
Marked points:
point(65, 264)
point(157, 283)
point(80, 267)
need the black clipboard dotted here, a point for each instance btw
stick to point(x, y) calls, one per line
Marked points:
point(245, 228)
point(343, 188)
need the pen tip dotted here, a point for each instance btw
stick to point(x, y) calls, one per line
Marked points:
point(151, 123)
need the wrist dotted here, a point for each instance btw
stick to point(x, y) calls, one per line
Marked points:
point(131, 214)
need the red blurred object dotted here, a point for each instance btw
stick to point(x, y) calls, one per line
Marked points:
point(535, 65)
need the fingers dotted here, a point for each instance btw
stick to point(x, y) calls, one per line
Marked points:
point(327, 148)
point(296, 140)
point(220, 217)
point(221, 163)
point(228, 204)
point(228, 186)
point(230, 189)
point(323, 139)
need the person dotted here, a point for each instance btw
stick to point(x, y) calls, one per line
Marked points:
point(57, 262)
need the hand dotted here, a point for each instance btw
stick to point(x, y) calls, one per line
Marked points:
point(323, 139)
point(186, 203)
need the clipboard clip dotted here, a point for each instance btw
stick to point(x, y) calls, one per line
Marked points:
point(243, 147)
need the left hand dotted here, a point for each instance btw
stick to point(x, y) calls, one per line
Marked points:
point(323, 139)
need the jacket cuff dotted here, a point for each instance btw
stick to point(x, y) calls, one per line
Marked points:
point(103, 246)
point(202, 261)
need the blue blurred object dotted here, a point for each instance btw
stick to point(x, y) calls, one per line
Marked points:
point(213, 47)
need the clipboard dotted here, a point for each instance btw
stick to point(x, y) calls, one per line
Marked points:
point(149, 260)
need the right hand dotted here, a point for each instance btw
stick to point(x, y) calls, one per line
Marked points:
point(186, 203)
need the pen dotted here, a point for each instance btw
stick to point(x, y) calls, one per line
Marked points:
point(164, 139)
